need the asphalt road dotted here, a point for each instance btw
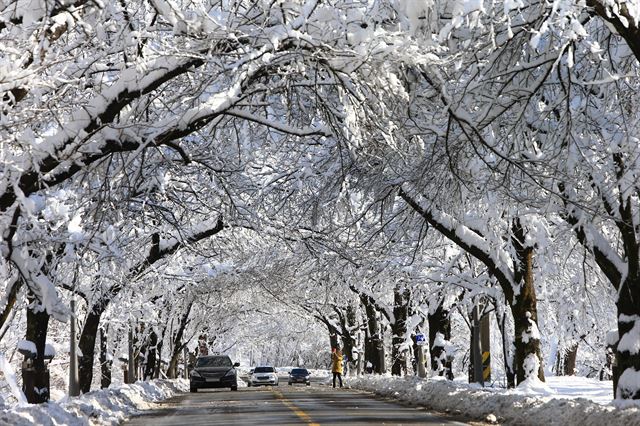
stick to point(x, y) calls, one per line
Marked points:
point(284, 405)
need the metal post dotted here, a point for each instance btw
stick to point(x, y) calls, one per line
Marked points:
point(360, 354)
point(422, 372)
point(477, 354)
point(485, 344)
point(74, 385)
point(132, 365)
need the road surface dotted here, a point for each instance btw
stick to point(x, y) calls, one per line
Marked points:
point(284, 405)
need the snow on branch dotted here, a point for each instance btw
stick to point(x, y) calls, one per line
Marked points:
point(495, 259)
point(609, 261)
point(281, 127)
point(162, 249)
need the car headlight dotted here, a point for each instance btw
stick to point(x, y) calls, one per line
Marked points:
point(231, 372)
point(195, 373)
point(306, 377)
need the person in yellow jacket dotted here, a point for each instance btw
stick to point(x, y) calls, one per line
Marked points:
point(336, 365)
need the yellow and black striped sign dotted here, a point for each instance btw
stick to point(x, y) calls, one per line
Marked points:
point(486, 366)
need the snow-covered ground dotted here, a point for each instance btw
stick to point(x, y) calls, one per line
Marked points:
point(564, 401)
point(100, 407)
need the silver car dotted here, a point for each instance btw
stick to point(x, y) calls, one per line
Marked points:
point(264, 376)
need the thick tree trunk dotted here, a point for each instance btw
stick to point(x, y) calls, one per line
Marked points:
point(105, 361)
point(627, 371)
point(347, 337)
point(439, 328)
point(528, 358)
point(333, 336)
point(374, 346)
point(87, 344)
point(525, 317)
point(347, 325)
point(150, 358)
point(566, 360)
point(35, 382)
point(399, 330)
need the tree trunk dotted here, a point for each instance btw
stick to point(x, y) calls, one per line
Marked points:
point(567, 360)
point(524, 309)
point(156, 372)
point(399, 330)
point(87, 344)
point(627, 371)
point(35, 382)
point(373, 340)
point(502, 319)
point(439, 324)
point(348, 341)
point(333, 336)
point(525, 317)
point(172, 369)
point(150, 358)
point(105, 361)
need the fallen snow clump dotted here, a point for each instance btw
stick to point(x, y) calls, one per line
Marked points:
point(507, 407)
point(101, 407)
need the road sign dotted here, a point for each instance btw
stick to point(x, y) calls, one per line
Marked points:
point(420, 340)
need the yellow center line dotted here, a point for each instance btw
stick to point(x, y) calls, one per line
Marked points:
point(290, 405)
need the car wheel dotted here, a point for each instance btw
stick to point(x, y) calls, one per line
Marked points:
point(234, 388)
point(290, 383)
point(249, 384)
point(308, 383)
point(193, 390)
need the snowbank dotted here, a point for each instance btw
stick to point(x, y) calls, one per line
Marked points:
point(102, 407)
point(509, 407)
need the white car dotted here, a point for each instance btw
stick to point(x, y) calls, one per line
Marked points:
point(264, 376)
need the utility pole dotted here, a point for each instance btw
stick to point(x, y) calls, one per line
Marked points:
point(74, 385)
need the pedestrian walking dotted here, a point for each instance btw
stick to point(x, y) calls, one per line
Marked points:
point(336, 365)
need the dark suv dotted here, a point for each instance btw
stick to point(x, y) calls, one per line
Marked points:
point(213, 371)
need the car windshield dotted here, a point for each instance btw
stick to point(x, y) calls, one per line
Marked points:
point(299, 371)
point(263, 370)
point(214, 361)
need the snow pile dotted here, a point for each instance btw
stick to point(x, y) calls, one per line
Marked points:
point(102, 407)
point(509, 407)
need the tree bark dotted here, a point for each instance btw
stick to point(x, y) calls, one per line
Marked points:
point(37, 326)
point(87, 344)
point(177, 343)
point(401, 298)
point(374, 346)
point(567, 360)
point(439, 323)
point(151, 356)
point(628, 360)
point(525, 310)
point(105, 361)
